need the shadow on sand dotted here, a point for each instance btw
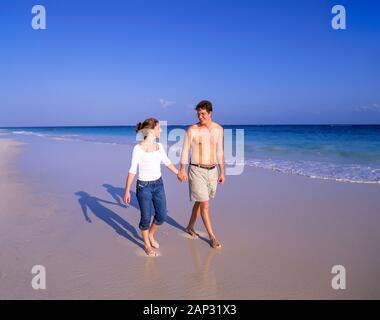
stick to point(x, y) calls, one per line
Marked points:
point(96, 206)
point(117, 194)
point(120, 225)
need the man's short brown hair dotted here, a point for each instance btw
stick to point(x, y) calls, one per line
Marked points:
point(204, 105)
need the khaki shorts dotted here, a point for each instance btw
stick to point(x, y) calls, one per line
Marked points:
point(202, 183)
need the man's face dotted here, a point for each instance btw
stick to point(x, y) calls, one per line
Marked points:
point(203, 116)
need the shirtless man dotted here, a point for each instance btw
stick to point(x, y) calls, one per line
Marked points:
point(205, 140)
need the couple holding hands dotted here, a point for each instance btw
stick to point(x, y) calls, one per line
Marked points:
point(205, 142)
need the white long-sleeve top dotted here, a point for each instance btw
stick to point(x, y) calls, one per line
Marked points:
point(148, 163)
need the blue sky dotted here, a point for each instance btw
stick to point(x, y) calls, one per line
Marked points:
point(259, 62)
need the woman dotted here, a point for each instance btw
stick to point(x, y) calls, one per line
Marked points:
point(147, 156)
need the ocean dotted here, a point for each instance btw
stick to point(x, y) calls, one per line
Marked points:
point(347, 153)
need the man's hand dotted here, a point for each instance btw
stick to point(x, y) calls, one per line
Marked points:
point(182, 175)
point(127, 197)
point(221, 178)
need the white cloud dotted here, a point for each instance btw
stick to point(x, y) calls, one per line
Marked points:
point(165, 103)
point(372, 107)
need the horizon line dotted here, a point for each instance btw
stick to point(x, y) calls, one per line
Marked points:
point(224, 124)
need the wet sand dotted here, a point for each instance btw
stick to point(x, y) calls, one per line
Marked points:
point(60, 207)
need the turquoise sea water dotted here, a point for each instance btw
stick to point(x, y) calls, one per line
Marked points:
point(342, 152)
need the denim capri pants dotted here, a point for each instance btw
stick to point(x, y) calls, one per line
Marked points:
point(152, 202)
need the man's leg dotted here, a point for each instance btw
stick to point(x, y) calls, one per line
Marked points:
point(204, 206)
point(194, 215)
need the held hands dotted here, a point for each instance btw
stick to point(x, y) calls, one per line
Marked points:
point(127, 198)
point(182, 176)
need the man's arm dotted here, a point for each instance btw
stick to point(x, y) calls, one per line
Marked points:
point(185, 155)
point(220, 155)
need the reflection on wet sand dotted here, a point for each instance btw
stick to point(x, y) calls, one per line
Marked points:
point(196, 280)
point(204, 282)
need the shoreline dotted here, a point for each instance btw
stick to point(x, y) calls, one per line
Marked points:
point(280, 233)
point(326, 168)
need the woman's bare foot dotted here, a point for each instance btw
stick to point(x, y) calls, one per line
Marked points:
point(214, 243)
point(192, 232)
point(153, 242)
point(150, 252)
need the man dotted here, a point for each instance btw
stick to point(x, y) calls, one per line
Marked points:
point(205, 140)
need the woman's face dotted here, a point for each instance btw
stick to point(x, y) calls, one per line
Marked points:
point(156, 131)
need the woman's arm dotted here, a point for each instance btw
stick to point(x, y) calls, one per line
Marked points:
point(127, 193)
point(136, 154)
point(166, 160)
point(173, 168)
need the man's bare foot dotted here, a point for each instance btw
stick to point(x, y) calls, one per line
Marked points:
point(150, 252)
point(153, 242)
point(214, 243)
point(192, 232)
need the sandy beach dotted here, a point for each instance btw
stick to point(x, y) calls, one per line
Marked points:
point(60, 207)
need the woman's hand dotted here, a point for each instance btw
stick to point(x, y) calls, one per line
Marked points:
point(128, 183)
point(173, 169)
point(127, 197)
point(182, 175)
